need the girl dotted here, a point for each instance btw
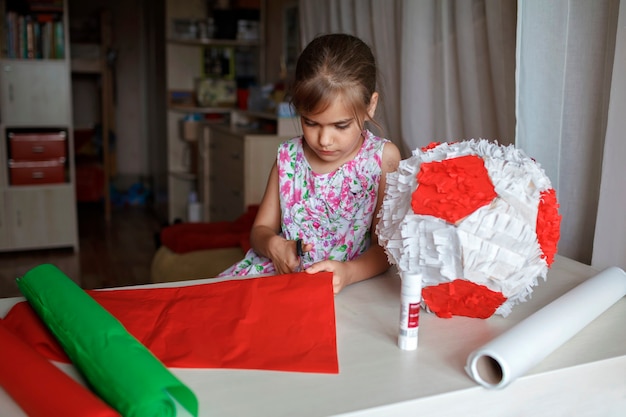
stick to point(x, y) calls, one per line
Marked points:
point(326, 187)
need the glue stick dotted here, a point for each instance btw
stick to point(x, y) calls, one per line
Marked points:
point(410, 298)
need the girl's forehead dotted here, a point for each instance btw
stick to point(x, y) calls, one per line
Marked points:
point(336, 104)
point(334, 111)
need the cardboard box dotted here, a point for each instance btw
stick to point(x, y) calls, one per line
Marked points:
point(189, 130)
point(182, 98)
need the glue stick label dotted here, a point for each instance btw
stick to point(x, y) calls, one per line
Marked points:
point(409, 319)
point(414, 315)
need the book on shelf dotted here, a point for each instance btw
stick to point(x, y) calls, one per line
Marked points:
point(35, 35)
point(3, 27)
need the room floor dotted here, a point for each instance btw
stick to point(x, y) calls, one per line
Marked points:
point(117, 254)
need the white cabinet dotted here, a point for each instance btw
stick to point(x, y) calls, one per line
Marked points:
point(5, 241)
point(37, 210)
point(39, 219)
point(35, 93)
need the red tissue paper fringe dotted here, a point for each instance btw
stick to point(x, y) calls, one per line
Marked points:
point(548, 224)
point(431, 145)
point(453, 188)
point(462, 298)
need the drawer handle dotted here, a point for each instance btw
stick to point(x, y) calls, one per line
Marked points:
point(38, 149)
point(37, 175)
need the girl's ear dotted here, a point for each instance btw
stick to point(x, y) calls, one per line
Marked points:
point(371, 109)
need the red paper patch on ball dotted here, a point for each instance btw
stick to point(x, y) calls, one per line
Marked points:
point(453, 188)
point(462, 298)
point(548, 224)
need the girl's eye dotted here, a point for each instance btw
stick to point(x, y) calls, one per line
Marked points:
point(342, 127)
point(309, 123)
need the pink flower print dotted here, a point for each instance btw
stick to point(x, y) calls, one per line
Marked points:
point(378, 159)
point(286, 187)
point(333, 200)
point(297, 194)
point(283, 155)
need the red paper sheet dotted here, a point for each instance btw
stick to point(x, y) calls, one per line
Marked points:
point(283, 322)
point(40, 388)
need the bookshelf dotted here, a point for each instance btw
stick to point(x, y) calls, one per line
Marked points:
point(34, 29)
point(37, 191)
point(192, 56)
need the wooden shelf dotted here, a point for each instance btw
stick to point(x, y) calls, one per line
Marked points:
point(183, 175)
point(213, 42)
point(87, 66)
point(188, 109)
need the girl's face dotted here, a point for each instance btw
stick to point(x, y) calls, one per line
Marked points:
point(333, 136)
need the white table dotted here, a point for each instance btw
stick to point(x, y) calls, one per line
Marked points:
point(584, 377)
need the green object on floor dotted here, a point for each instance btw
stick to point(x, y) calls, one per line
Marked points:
point(121, 370)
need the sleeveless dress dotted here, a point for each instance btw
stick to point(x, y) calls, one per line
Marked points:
point(332, 211)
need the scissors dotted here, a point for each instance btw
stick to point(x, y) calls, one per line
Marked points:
point(300, 253)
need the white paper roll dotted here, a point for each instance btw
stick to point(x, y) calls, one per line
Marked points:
point(510, 355)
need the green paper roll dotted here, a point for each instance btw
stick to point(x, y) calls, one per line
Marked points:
point(121, 370)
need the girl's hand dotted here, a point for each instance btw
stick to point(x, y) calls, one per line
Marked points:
point(340, 270)
point(284, 255)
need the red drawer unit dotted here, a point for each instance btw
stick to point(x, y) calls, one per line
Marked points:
point(37, 172)
point(38, 146)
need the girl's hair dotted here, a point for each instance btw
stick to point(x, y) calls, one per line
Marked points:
point(332, 65)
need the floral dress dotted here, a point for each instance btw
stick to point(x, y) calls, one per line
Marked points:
point(332, 211)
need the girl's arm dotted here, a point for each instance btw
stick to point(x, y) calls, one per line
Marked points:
point(373, 261)
point(264, 236)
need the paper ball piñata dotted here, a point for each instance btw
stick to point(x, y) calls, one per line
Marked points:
point(479, 221)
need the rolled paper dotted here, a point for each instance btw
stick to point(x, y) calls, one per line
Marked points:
point(39, 387)
point(410, 299)
point(510, 355)
point(121, 370)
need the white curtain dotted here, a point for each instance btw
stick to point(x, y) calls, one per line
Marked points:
point(609, 246)
point(458, 68)
point(557, 88)
point(446, 67)
point(565, 54)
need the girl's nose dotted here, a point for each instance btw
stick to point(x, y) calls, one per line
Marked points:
point(325, 138)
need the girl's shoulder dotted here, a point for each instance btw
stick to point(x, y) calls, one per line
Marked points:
point(373, 143)
point(291, 143)
point(290, 151)
point(382, 150)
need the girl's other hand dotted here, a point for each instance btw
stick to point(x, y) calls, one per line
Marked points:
point(340, 272)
